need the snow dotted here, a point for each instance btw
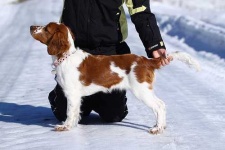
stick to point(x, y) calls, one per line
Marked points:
point(196, 4)
point(195, 101)
point(197, 32)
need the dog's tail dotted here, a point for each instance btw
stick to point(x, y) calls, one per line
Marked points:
point(185, 58)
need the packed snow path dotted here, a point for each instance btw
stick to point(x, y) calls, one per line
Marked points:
point(195, 101)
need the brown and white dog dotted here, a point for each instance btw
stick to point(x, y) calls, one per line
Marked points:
point(81, 74)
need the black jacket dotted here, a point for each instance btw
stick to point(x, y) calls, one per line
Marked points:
point(97, 23)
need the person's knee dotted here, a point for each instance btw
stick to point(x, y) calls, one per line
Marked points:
point(114, 118)
point(111, 107)
point(58, 103)
point(114, 115)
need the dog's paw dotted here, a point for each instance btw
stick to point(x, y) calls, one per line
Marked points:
point(157, 130)
point(62, 128)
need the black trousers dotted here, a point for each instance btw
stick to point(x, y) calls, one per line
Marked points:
point(111, 107)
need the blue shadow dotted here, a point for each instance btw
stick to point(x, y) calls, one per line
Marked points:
point(26, 114)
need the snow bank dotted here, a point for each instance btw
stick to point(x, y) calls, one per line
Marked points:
point(198, 34)
point(197, 4)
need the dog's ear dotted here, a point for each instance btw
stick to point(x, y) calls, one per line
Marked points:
point(58, 44)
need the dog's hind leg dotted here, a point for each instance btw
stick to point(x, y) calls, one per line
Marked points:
point(160, 113)
point(163, 106)
point(73, 112)
point(145, 94)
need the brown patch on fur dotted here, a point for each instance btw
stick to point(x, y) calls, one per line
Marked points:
point(145, 70)
point(55, 36)
point(96, 69)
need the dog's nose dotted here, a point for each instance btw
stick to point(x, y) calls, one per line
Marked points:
point(33, 28)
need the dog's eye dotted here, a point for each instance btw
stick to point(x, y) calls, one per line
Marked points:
point(45, 29)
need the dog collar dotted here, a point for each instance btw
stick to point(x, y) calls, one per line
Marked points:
point(57, 62)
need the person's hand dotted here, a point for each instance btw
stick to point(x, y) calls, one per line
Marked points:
point(161, 53)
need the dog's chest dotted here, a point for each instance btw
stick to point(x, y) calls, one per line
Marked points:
point(67, 75)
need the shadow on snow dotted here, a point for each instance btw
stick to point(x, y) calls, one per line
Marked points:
point(43, 116)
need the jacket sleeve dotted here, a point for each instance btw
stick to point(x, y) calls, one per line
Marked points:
point(145, 24)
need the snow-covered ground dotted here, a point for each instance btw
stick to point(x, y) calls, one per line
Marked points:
point(200, 29)
point(195, 101)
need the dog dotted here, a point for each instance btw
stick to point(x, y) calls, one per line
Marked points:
point(81, 74)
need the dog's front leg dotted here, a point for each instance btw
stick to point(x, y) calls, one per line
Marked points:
point(73, 111)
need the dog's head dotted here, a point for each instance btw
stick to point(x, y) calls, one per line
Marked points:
point(54, 35)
